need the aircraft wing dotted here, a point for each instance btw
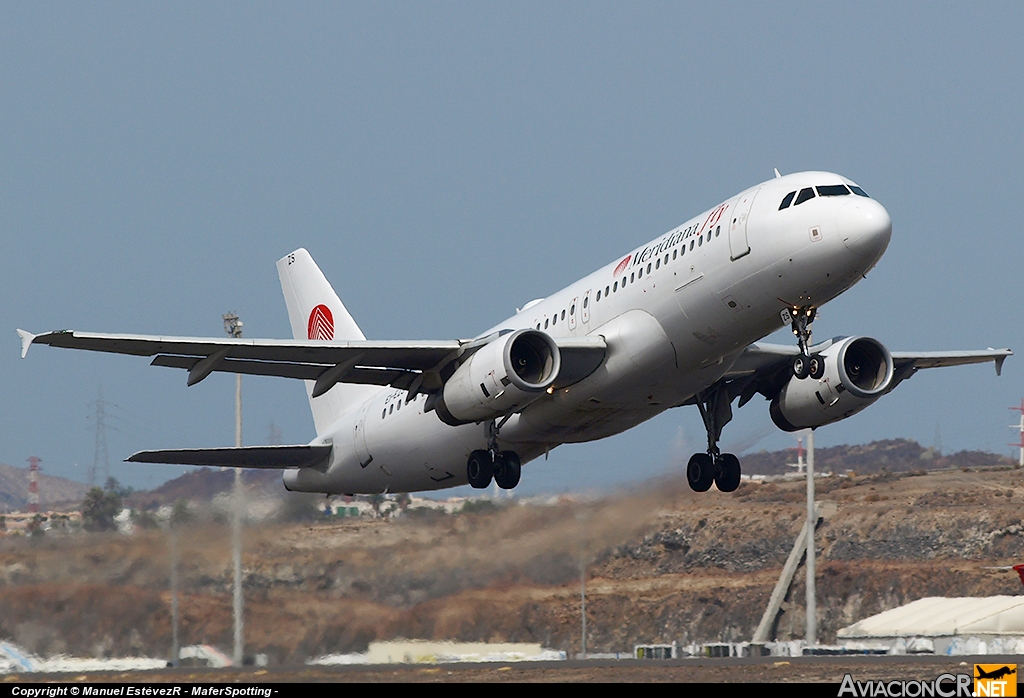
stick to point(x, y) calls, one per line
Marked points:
point(407, 365)
point(764, 368)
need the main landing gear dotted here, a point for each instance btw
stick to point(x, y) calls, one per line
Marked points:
point(721, 469)
point(805, 364)
point(503, 466)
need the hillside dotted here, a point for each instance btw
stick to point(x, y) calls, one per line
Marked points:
point(663, 564)
point(54, 492)
point(892, 455)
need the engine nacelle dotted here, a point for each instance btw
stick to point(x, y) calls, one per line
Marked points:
point(858, 371)
point(502, 377)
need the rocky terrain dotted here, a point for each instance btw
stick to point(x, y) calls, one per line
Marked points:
point(662, 564)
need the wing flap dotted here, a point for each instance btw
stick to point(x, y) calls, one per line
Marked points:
point(273, 457)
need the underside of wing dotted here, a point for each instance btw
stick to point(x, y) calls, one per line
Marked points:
point(407, 365)
point(272, 457)
point(764, 368)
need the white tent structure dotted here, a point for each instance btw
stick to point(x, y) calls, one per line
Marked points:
point(988, 625)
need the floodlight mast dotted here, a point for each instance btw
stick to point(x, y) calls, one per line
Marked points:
point(1020, 427)
point(233, 328)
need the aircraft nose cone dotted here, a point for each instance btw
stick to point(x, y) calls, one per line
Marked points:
point(865, 227)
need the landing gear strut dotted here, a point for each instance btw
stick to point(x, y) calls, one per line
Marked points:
point(722, 469)
point(504, 466)
point(804, 364)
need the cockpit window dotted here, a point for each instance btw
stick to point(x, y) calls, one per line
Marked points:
point(787, 201)
point(833, 190)
point(858, 191)
point(804, 195)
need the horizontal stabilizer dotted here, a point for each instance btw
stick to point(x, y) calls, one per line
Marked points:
point(242, 457)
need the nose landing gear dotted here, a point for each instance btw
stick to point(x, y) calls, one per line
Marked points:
point(804, 364)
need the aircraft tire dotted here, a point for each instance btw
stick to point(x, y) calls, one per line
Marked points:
point(700, 472)
point(801, 367)
point(816, 367)
point(727, 473)
point(479, 469)
point(507, 470)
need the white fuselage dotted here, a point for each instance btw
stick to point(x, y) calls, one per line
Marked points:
point(675, 313)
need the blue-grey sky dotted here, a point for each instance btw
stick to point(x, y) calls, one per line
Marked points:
point(447, 162)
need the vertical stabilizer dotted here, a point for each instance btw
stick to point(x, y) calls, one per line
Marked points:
point(316, 313)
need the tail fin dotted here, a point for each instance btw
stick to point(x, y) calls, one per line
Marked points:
point(317, 313)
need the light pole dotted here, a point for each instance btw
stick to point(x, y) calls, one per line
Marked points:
point(233, 327)
point(812, 608)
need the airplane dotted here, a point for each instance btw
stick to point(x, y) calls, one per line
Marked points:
point(676, 321)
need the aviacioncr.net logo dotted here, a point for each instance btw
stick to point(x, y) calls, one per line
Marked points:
point(995, 680)
point(943, 686)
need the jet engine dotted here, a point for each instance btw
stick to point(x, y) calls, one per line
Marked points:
point(858, 371)
point(502, 377)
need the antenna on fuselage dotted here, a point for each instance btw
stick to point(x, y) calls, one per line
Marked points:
point(777, 175)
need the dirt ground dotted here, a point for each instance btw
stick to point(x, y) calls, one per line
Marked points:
point(818, 670)
point(662, 565)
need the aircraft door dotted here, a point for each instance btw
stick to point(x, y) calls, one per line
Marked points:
point(359, 436)
point(738, 246)
point(585, 311)
point(573, 309)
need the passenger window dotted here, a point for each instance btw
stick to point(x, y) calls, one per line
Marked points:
point(598, 298)
point(616, 286)
point(674, 253)
point(631, 278)
point(787, 200)
point(563, 314)
point(572, 309)
point(700, 241)
point(586, 299)
point(858, 191)
point(691, 245)
point(666, 258)
point(804, 195)
point(641, 274)
point(384, 413)
point(718, 230)
point(554, 320)
point(833, 190)
point(648, 267)
point(709, 236)
point(606, 289)
point(392, 408)
point(657, 265)
point(545, 323)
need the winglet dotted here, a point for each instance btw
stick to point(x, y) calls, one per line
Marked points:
point(26, 341)
point(999, 372)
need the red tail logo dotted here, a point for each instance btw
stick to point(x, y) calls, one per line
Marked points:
point(321, 323)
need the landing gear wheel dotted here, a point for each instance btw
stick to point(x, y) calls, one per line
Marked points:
point(816, 366)
point(801, 367)
point(507, 469)
point(700, 472)
point(479, 469)
point(727, 472)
